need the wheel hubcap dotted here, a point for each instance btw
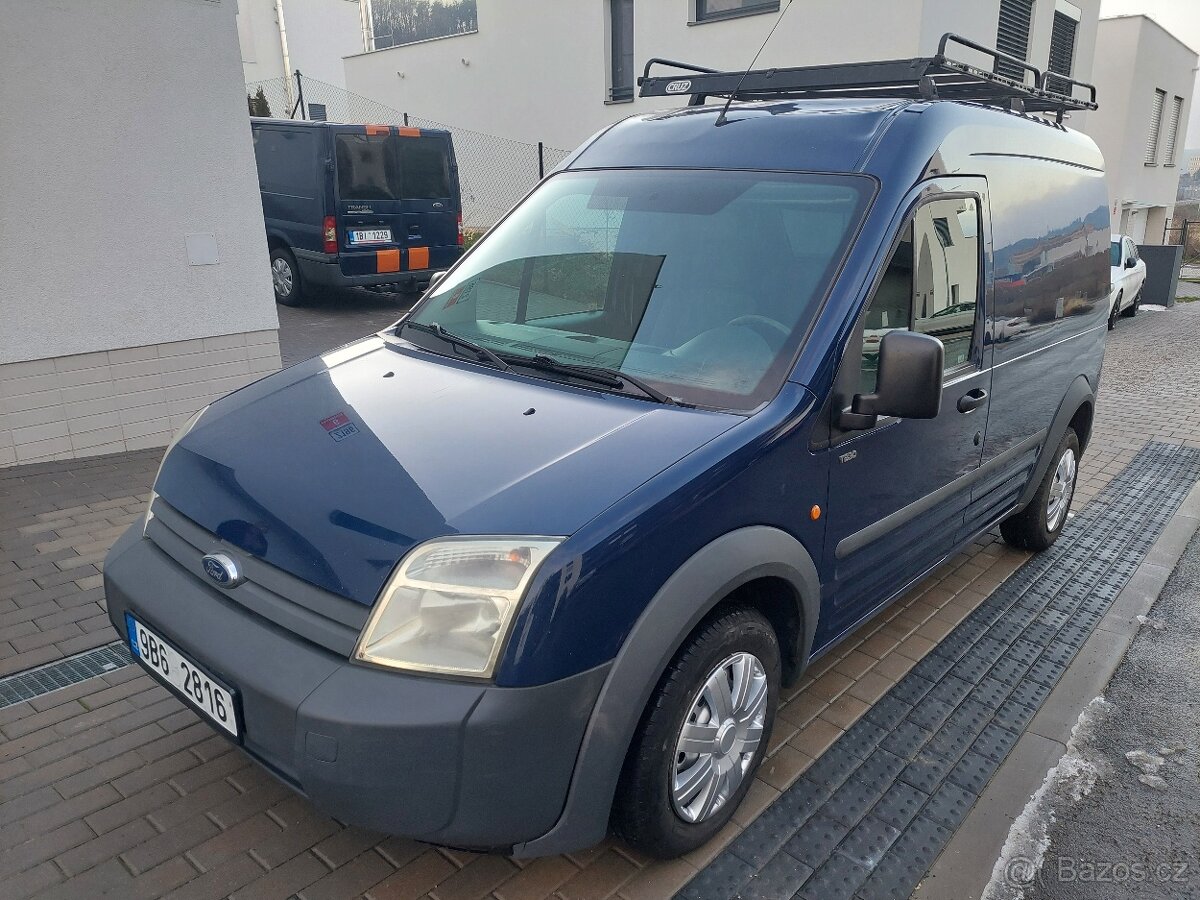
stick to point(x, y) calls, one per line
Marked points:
point(719, 738)
point(1061, 490)
point(281, 275)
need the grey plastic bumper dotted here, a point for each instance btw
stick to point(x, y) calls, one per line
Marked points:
point(452, 762)
point(326, 272)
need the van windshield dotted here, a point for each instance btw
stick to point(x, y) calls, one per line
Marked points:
point(371, 167)
point(700, 283)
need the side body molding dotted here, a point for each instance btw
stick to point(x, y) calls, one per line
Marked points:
point(708, 576)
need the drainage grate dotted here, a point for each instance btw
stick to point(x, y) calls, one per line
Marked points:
point(64, 673)
point(871, 815)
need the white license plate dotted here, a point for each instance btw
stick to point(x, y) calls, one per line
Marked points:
point(371, 236)
point(198, 688)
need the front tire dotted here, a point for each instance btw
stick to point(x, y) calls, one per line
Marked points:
point(285, 278)
point(1114, 312)
point(702, 736)
point(1039, 524)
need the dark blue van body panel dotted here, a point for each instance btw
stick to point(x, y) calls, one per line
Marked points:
point(420, 468)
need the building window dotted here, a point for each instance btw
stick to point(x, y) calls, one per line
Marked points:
point(620, 39)
point(1012, 35)
point(1062, 38)
point(707, 10)
point(1172, 131)
point(1156, 115)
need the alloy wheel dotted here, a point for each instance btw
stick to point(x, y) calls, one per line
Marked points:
point(719, 738)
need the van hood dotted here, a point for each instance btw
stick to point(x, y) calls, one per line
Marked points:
point(333, 469)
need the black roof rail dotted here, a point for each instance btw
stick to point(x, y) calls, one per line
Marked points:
point(922, 78)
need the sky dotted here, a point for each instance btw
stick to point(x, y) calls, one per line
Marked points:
point(1182, 19)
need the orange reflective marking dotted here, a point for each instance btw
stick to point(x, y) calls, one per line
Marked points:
point(418, 257)
point(387, 261)
point(376, 130)
point(409, 132)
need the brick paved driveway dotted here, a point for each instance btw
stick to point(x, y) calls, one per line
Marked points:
point(112, 785)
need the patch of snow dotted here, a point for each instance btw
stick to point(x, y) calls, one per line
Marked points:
point(1156, 624)
point(1028, 839)
point(1152, 307)
point(1147, 762)
point(1153, 781)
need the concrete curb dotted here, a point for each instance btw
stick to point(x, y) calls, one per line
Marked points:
point(964, 867)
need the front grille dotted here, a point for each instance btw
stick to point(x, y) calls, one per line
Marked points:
point(318, 616)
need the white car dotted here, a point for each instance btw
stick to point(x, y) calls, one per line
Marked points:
point(1128, 277)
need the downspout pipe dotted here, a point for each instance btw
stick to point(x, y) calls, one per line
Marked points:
point(287, 60)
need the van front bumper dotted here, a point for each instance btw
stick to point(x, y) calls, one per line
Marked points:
point(452, 762)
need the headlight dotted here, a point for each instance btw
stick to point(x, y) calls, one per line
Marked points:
point(179, 436)
point(450, 603)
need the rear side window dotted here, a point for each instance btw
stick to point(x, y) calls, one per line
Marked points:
point(424, 167)
point(389, 168)
point(367, 168)
point(287, 161)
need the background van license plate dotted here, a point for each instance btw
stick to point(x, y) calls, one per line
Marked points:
point(198, 688)
point(371, 236)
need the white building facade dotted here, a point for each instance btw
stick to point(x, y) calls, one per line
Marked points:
point(135, 284)
point(277, 37)
point(1145, 77)
point(557, 72)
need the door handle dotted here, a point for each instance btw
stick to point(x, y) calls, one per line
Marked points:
point(972, 400)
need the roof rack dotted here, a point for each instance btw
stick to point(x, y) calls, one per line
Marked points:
point(924, 78)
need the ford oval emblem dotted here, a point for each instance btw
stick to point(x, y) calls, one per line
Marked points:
point(223, 570)
point(679, 87)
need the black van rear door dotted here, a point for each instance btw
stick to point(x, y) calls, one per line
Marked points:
point(430, 206)
point(396, 201)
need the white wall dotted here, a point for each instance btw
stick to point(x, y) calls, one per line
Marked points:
point(135, 137)
point(319, 34)
point(1134, 57)
point(538, 71)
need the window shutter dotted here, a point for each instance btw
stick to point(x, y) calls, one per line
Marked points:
point(1012, 35)
point(1172, 131)
point(1062, 44)
point(1156, 114)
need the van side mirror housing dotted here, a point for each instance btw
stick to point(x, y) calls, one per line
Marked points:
point(435, 278)
point(908, 383)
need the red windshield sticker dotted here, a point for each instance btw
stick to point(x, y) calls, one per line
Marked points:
point(339, 426)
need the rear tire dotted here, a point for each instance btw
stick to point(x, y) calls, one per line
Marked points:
point(710, 715)
point(1039, 524)
point(1132, 310)
point(285, 278)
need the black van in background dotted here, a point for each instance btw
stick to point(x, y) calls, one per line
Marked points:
point(356, 205)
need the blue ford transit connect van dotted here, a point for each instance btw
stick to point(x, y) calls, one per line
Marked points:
point(535, 562)
point(356, 205)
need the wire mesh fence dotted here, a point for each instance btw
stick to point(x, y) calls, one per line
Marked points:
point(494, 172)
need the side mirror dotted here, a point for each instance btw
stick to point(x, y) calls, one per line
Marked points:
point(1130, 263)
point(435, 278)
point(908, 383)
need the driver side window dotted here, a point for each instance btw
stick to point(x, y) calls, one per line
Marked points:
point(930, 285)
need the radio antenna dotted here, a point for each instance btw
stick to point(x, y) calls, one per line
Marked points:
point(725, 109)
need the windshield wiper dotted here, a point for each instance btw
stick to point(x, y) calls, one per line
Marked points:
point(613, 378)
point(455, 340)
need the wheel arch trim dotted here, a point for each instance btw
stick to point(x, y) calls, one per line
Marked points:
point(1080, 393)
point(703, 581)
